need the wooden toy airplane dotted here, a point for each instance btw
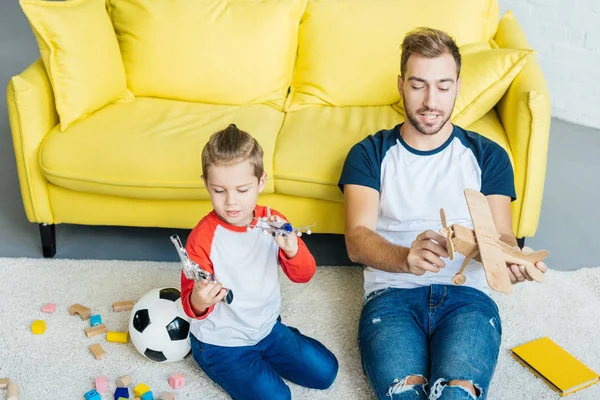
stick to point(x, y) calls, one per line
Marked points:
point(484, 245)
point(279, 227)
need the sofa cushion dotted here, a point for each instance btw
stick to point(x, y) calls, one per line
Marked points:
point(308, 170)
point(150, 148)
point(218, 52)
point(349, 50)
point(69, 35)
point(485, 76)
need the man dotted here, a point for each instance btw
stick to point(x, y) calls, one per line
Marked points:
point(419, 334)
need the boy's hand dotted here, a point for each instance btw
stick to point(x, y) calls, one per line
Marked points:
point(206, 294)
point(518, 273)
point(288, 243)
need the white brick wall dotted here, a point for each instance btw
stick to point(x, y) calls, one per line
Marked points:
point(566, 35)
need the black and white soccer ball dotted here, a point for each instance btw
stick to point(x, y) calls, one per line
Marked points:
point(158, 326)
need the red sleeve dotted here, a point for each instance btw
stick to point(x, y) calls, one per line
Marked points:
point(300, 268)
point(198, 248)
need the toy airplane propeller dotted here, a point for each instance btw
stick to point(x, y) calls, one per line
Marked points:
point(194, 271)
point(484, 245)
point(281, 228)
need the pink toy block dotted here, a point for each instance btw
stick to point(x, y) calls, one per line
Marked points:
point(102, 384)
point(176, 381)
point(49, 308)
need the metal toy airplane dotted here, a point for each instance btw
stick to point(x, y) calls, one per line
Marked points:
point(280, 228)
point(194, 271)
point(484, 245)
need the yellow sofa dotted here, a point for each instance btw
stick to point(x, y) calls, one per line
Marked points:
point(308, 78)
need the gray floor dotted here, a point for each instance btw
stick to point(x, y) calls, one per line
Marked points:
point(568, 225)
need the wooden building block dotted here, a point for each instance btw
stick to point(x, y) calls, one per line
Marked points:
point(49, 308)
point(120, 337)
point(124, 381)
point(84, 312)
point(122, 393)
point(167, 396)
point(95, 330)
point(176, 381)
point(124, 305)
point(12, 392)
point(98, 351)
point(140, 389)
point(95, 320)
point(92, 395)
point(38, 327)
point(102, 384)
point(4, 383)
point(147, 396)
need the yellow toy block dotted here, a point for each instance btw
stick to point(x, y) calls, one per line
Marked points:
point(38, 326)
point(121, 337)
point(140, 389)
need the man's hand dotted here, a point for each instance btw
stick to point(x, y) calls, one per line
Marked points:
point(425, 253)
point(518, 273)
point(288, 243)
point(206, 294)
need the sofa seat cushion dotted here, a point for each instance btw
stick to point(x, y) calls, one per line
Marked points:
point(314, 142)
point(150, 148)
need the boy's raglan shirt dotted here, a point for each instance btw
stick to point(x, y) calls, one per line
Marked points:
point(413, 185)
point(247, 262)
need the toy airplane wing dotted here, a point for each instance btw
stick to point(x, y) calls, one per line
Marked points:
point(492, 256)
point(279, 227)
point(305, 228)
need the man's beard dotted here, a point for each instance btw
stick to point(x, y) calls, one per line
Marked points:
point(428, 130)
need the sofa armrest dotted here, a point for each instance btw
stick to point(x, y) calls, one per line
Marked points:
point(525, 113)
point(32, 114)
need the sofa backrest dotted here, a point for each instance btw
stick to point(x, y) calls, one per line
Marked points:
point(324, 52)
point(349, 50)
point(210, 51)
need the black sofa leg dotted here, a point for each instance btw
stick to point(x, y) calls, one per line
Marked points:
point(521, 242)
point(48, 234)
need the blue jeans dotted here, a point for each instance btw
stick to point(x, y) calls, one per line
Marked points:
point(255, 372)
point(438, 332)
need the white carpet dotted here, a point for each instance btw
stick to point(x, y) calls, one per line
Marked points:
point(58, 364)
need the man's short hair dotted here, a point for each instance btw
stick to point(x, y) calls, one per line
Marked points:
point(430, 43)
point(232, 145)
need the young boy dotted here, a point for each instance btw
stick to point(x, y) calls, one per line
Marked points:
point(243, 346)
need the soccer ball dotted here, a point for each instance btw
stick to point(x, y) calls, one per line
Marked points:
point(159, 327)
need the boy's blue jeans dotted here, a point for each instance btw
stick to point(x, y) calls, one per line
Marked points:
point(255, 372)
point(438, 332)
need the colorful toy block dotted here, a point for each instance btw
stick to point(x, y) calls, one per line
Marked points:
point(95, 320)
point(125, 305)
point(120, 337)
point(140, 389)
point(176, 381)
point(124, 381)
point(102, 384)
point(83, 311)
point(148, 396)
point(121, 393)
point(167, 396)
point(4, 383)
point(92, 395)
point(38, 327)
point(98, 351)
point(49, 308)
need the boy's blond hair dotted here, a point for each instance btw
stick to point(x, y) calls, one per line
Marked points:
point(232, 145)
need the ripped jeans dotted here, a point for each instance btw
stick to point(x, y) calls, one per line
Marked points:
point(439, 332)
